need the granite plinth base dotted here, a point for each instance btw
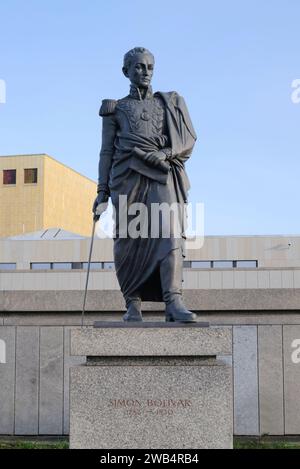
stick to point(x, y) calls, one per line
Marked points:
point(127, 396)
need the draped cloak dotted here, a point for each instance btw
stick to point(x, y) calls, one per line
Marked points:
point(137, 259)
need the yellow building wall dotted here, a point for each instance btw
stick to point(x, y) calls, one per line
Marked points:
point(61, 198)
point(68, 198)
point(21, 205)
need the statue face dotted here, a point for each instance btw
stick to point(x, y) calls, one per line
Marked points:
point(140, 71)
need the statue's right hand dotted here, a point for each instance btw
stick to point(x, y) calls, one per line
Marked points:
point(100, 205)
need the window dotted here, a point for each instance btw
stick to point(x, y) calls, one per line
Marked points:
point(30, 176)
point(223, 264)
point(62, 265)
point(66, 265)
point(220, 264)
point(246, 264)
point(93, 266)
point(7, 266)
point(109, 265)
point(201, 264)
point(9, 176)
point(40, 265)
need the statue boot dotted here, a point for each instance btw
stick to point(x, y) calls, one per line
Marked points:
point(177, 312)
point(133, 313)
point(171, 279)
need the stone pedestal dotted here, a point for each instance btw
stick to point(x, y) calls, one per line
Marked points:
point(151, 386)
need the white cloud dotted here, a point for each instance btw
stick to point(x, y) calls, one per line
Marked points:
point(296, 93)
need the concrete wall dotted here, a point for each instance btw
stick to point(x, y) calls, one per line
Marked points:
point(269, 251)
point(193, 279)
point(34, 381)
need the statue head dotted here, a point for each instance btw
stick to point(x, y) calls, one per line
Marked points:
point(138, 66)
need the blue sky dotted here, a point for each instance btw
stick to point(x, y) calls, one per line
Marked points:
point(234, 62)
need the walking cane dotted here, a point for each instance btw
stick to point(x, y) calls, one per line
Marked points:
point(88, 271)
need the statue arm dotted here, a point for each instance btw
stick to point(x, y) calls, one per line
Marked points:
point(181, 131)
point(104, 167)
point(109, 129)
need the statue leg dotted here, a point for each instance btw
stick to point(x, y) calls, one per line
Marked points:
point(171, 283)
point(133, 305)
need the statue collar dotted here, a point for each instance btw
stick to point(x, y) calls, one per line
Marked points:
point(135, 93)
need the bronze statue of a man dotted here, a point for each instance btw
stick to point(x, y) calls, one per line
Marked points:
point(146, 139)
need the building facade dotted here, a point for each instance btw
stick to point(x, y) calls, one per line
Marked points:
point(38, 192)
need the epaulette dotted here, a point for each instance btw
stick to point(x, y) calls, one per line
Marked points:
point(107, 107)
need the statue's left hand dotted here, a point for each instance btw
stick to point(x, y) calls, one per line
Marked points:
point(157, 159)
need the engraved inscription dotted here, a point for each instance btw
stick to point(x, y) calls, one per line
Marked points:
point(144, 407)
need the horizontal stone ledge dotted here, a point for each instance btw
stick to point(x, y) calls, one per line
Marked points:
point(151, 341)
point(148, 324)
point(112, 300)
point(216, 318)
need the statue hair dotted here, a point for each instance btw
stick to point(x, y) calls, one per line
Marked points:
point(131, 53)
